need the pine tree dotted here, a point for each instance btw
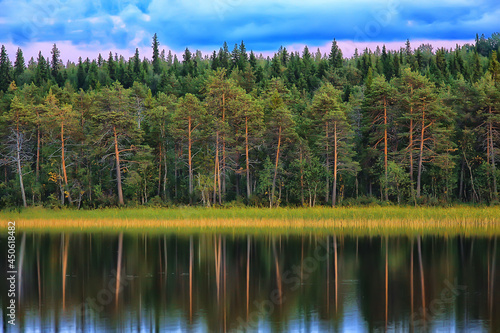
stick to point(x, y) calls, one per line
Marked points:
point(426, 118)
point(280, 128)
point(487, 99)
point(378, 103)
point(65, 118)
point(186, 127)
point(327, 116)
point(19, 120)
point(159, 118)
point(115, 127)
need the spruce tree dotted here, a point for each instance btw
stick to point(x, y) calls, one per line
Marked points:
point(5, 70)
point(156, 59)
point(335, 57)
point(19, 66)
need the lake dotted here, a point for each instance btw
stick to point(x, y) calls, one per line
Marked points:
point(269, 282)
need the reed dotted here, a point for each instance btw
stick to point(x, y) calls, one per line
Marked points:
point(358, 220)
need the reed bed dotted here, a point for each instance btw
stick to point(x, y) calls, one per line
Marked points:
point(358, 220)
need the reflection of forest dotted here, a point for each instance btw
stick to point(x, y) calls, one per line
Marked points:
point(222, 282)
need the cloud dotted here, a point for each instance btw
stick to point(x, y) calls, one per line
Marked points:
point(263, 24)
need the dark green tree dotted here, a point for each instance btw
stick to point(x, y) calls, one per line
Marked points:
point(156, 59)
point(5, 70)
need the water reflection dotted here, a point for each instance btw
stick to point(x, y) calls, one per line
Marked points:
point(221, 282)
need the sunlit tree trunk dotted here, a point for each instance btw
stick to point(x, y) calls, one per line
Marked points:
point(421, 152)
point(335, 165)
point(276, 168)
point(247, 156)
point(410, 145)
point(385, 151)
point(63, 161)
point(492, 152)
point(37, 170)
point(327, 162)
point(190, 162)
point(302, 178)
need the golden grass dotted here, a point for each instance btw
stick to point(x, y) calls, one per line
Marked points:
point(359, 220)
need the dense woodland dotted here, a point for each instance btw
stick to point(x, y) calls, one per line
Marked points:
point(414, 126)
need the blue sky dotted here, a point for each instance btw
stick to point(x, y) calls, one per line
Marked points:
point(122, 25)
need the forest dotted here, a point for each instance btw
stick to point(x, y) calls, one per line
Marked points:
point(416, 126)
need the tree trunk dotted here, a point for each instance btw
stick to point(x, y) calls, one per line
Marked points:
point(216, 165)
point(249, 192)
point(276, 167)
point(37, 172)
point(461, 186)
point(118, 169)
point(492, 151)
point(411, 146)
point(19, 170)
point(159, 173)
point(165, 175)
point(302, 179)
point(190, 163)
point(385, 151)
point(223, 169)
point(62, 156)
point(335, 162)
point(421, 153)
point(327, 165)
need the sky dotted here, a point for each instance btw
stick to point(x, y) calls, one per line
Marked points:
point(87, 28)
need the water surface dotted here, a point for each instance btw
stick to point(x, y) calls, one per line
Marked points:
point(141, 282)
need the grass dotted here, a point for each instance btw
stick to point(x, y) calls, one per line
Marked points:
point(358, 220)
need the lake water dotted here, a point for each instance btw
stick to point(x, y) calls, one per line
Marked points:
point(96, 282)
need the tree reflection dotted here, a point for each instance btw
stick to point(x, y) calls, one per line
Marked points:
point(222, 282)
